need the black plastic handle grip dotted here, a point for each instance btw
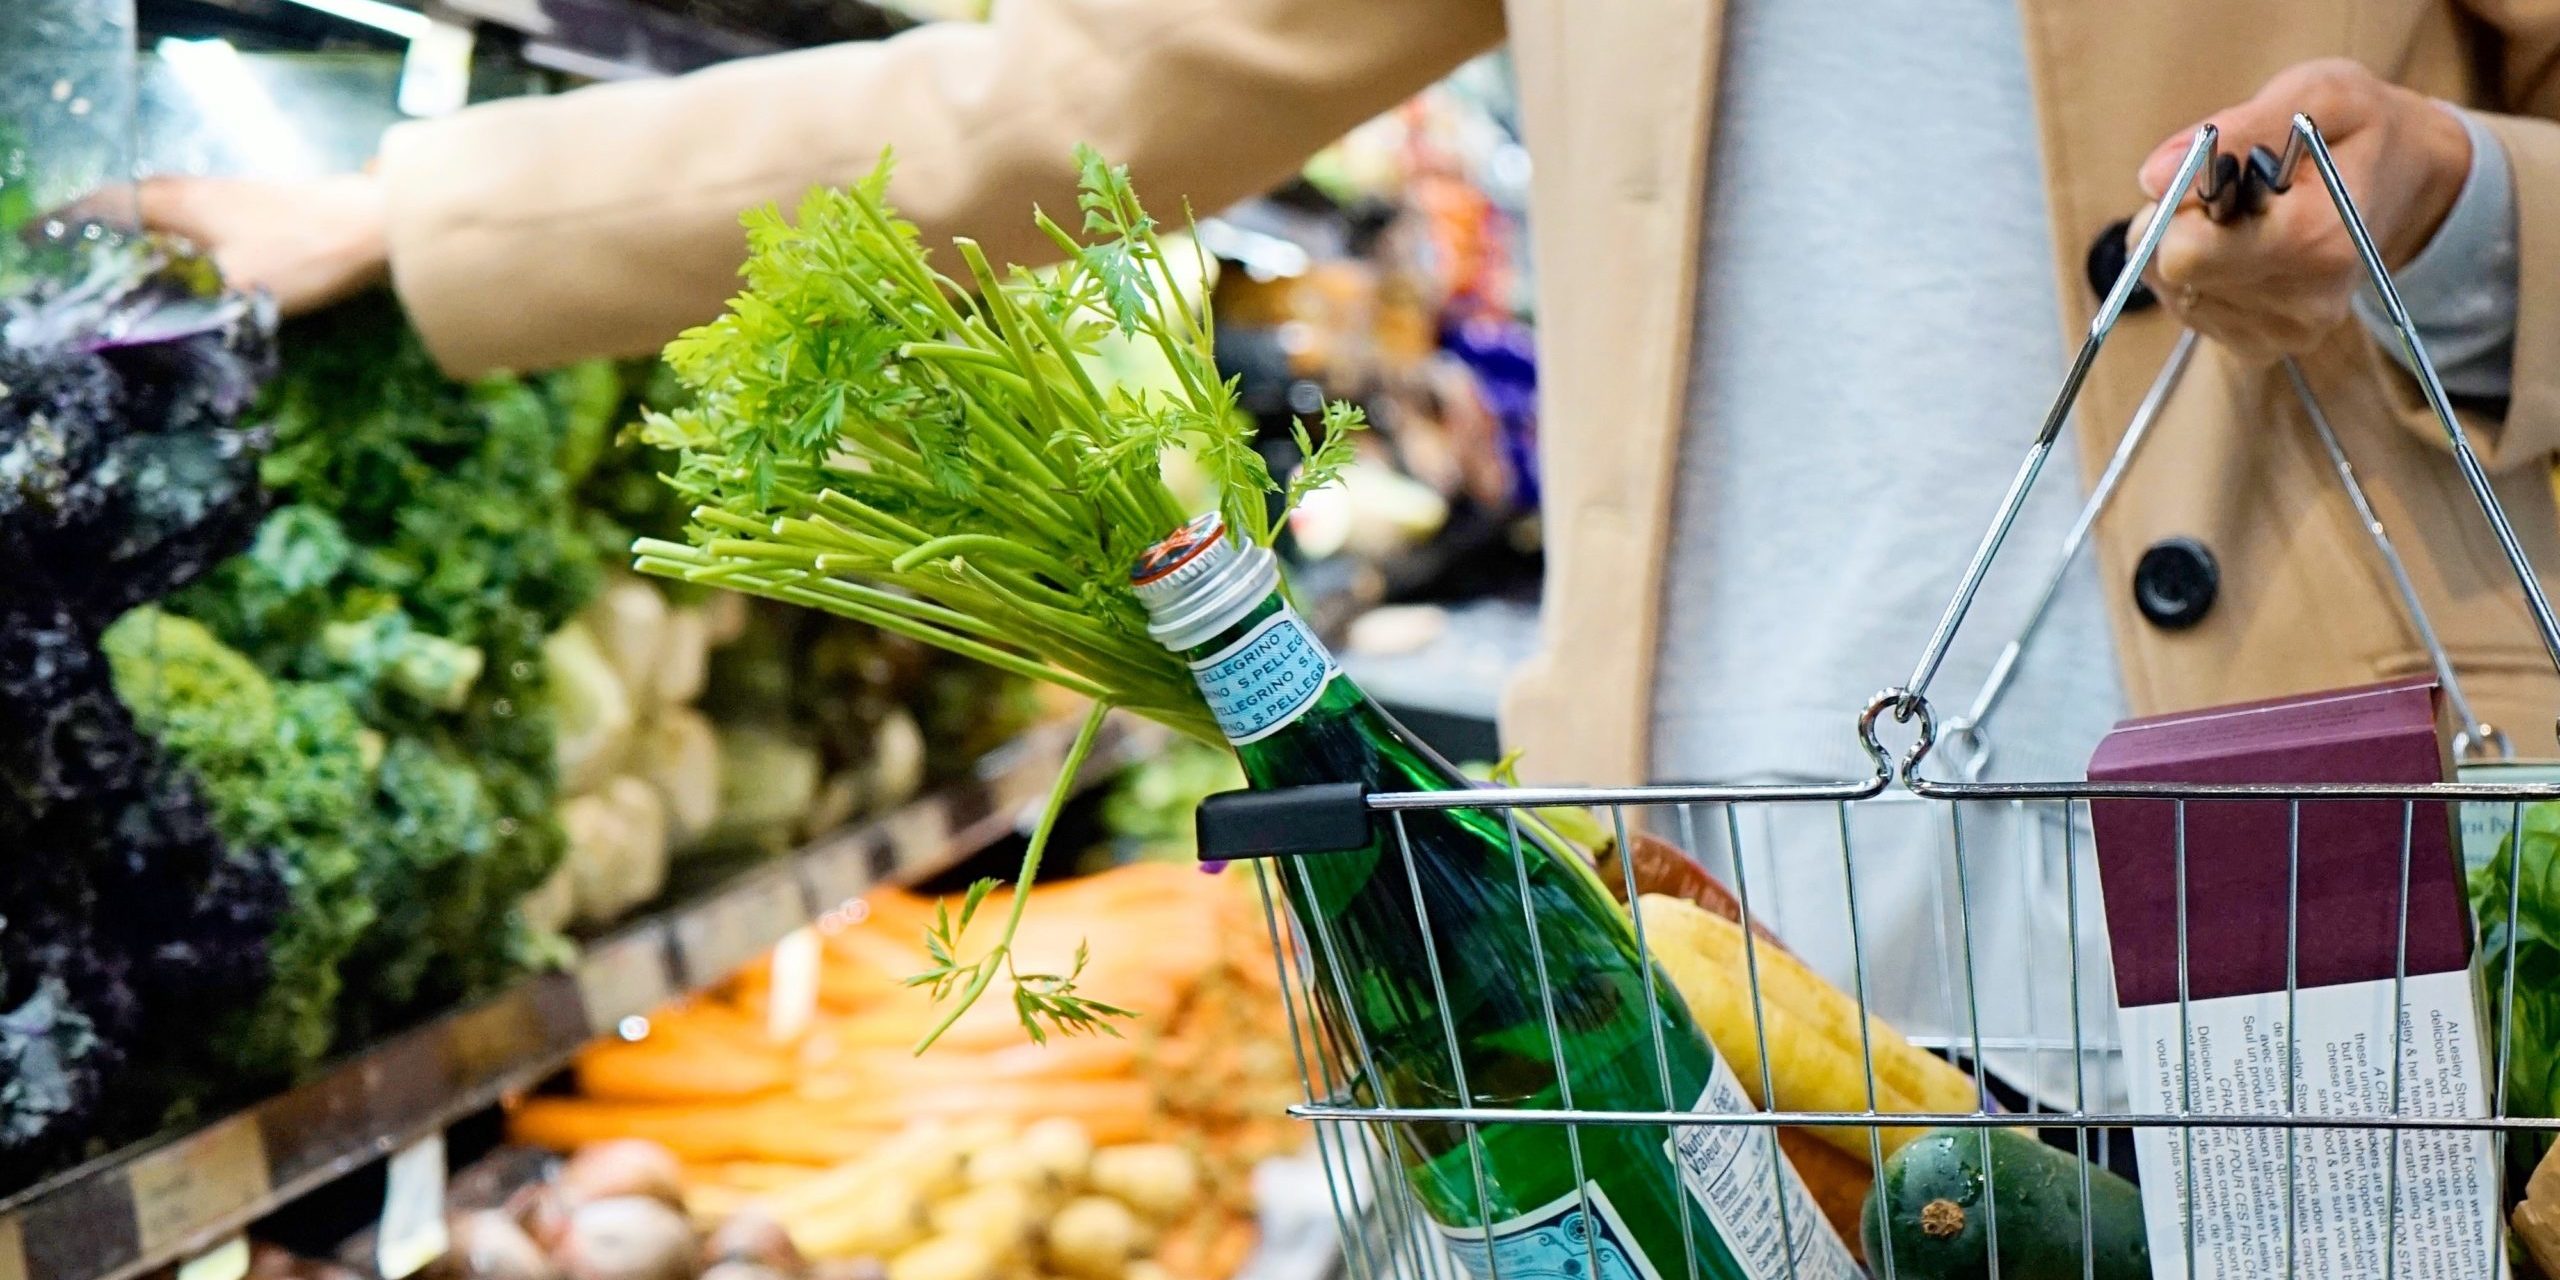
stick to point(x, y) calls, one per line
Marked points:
point(1327, 818)
point(2240, 188)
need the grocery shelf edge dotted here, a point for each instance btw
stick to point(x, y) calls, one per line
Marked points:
point(177, 1195)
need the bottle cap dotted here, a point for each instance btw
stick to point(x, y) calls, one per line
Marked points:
point(1199, 582)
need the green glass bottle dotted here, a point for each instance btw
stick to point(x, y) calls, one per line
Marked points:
point(1515, 1202)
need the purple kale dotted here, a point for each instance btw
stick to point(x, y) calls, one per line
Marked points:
point(127, 925)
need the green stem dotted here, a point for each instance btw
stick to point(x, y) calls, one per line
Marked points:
point(963, 543)
point(660, 548)
point(1038, 481)
point(924, 611)
point(1117, 651)
point(917, 274)
point(880, 609)
point(797, 593)
point(1088, 406)
point(1060, 792)
point(961, 353)
point(833, 539)
point(723, 518)
point(1000, 312)
point(852, 509)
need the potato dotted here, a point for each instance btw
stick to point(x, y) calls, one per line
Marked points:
point(1000, 1215)
point(1092, 1238)
point(973, 1136)
point(945, 1258)
point(1013, 1165)
point(931, 1158)
point(881, 1220)
point(1061, 1146)
point(1158, 1179)
point(864, 1268)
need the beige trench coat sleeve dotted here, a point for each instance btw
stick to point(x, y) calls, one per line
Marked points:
point(602, 222)
point(2526, 83)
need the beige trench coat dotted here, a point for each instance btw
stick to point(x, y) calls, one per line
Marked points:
point(605, 220)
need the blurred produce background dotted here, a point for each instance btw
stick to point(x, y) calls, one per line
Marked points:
point(339, 722)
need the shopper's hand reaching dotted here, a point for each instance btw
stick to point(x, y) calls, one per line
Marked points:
point(309, 242)
point(2277, 284)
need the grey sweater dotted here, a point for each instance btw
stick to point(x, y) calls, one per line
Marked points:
point(1876, 342)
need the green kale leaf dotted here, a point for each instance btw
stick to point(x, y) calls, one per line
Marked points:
point(2516, 900)
point(283, 767)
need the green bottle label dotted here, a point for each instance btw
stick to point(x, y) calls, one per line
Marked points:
point(1557, 1241)
point(1736, 1174)
point(1266, 679)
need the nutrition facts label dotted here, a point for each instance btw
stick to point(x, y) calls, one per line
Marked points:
point(1734, 1173)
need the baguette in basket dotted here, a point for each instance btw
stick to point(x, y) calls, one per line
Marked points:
point(1817, 1059)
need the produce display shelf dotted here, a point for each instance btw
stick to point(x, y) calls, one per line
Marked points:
point(173, 1198)
point(623, 40)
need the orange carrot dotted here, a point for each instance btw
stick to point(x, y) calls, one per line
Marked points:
point(681, 1069)
point(773, 1129)
point(888, 1070)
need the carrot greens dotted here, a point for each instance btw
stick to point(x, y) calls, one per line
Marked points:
point(931, 452)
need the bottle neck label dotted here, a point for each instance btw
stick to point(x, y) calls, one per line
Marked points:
point(1267, 678)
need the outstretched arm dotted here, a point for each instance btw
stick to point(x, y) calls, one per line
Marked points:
point(535, 231)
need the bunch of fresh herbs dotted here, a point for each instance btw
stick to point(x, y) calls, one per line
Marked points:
point(932, 454)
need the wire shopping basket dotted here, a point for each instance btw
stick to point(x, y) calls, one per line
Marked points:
point(2281, 1135)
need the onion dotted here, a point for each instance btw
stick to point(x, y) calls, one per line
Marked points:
point(542, 1209)
point(488, 1245)
point(623, 1167)
point(272, 1262)
point(627, 1238)
point(752, 1235)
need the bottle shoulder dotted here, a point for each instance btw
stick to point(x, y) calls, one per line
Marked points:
point(1347, 737)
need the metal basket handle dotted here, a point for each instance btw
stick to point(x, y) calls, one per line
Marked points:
point(2230, 190)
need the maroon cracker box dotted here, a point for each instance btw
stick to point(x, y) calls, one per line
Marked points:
point(2250, 1019)
point(2238, 851)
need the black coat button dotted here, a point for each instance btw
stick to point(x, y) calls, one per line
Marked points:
point(2107, 256)
point(2175, 583)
